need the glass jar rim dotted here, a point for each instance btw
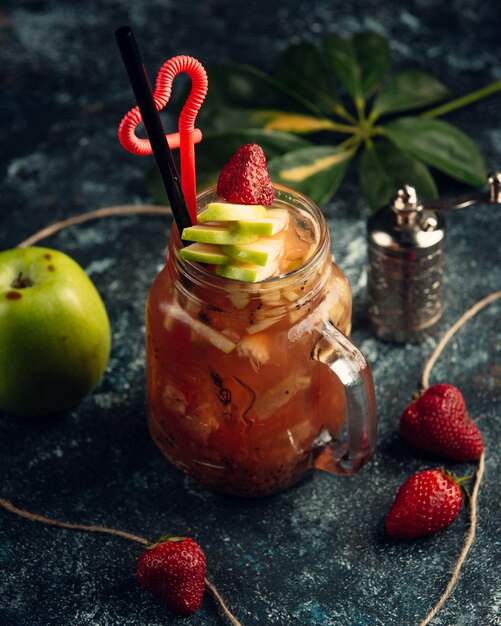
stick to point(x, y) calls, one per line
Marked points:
point(197, 272)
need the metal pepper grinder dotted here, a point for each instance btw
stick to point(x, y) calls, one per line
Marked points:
point(406, 261)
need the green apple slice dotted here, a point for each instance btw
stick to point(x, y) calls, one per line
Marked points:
point(261, 252)
point(273, 222)
point(217, 234)
point(225, 211)
point(246, 272)
point(205, 253)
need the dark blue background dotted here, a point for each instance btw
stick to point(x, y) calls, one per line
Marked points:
point(317, 554)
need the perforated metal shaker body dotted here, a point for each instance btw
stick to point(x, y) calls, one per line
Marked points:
point(406, 268)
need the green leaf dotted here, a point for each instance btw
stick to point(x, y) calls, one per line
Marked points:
point(292, 122)
point(340, 53)
point(359, 63)
point(216, 149)
point(383, 169)
point(316, 171)
point(406, 90)
point(373, 56)
point(239, 96)
point(440, 145)
point(220, 118)
point(241, 88)
point(302, 68)
point(224, 119)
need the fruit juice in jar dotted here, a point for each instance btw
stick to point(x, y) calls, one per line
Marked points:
point(239, 394)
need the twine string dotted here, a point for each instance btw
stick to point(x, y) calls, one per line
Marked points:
point(113, 211)
point(162, 210)
point(466, 546)
point(222, 603)
point(52, 229)
point(481, 465)
point(35, 517)
point(452, 330)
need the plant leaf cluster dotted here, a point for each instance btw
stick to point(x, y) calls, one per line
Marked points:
point(328, 106)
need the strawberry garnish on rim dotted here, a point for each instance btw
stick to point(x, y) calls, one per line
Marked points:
point(244, 179)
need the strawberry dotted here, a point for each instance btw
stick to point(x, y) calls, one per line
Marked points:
point(244, 178)
point(425, 504)
point(173, 568)
point(438, 422)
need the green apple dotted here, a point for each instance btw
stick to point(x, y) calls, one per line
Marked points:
point(54, 332)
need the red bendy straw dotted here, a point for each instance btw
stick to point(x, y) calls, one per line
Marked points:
point(186, 123)
point(188, 135)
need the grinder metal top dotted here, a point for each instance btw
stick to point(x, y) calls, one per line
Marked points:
point(406, 254)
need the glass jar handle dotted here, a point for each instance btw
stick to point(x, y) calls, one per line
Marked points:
point(348, 452)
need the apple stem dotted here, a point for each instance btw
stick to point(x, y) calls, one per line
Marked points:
point(22, 282)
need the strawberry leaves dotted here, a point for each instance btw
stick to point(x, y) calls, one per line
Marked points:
point(337, 97)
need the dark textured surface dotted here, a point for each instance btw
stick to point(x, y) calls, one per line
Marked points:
point(317, 554)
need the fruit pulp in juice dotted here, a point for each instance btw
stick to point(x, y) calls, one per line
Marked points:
point(234, 398)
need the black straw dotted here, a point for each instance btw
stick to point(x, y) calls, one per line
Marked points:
point(153, 124)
